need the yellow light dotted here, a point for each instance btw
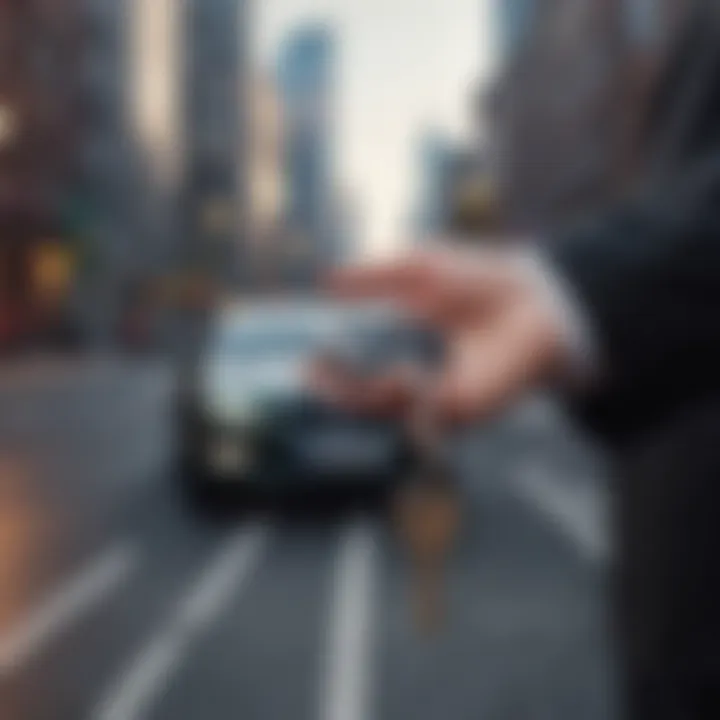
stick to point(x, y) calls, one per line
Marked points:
point(53, 270)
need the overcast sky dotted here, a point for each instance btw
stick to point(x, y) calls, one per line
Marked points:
point(404, 65)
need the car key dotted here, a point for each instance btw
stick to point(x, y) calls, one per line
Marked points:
point(427, 514)
point(426, 510)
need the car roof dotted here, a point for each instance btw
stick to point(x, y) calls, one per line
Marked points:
point(271, 304)
point(238, 312)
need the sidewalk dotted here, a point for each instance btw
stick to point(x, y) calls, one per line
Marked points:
point(48, 371)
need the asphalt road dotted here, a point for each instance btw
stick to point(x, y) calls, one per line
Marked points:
point(116, 603)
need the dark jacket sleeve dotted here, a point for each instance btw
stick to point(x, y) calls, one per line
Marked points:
point(648, 279)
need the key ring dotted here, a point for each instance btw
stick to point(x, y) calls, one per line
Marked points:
point(422, 424)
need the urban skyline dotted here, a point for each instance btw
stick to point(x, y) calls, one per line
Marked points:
point(400, 71)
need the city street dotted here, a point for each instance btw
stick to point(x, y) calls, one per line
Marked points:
point(117, 603)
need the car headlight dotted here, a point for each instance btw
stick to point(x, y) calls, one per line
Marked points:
point(225, 411)
point(229, 454)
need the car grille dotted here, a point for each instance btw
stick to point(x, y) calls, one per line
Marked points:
point(310, 413)
point(307, 417)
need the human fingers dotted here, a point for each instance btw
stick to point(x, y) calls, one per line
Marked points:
point(400, 279)
point(492, 365)
point(388, 394)
point(448, 287)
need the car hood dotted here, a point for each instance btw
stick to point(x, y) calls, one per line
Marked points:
point(235, 391)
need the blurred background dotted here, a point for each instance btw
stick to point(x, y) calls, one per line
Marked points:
point(158, 157)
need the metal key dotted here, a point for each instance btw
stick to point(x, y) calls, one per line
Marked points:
point(427, 514)
point(426, 508)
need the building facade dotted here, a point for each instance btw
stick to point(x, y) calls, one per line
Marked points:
point(455, 197)
point(108, 193)
point(565, 114)
point(38, 61)
point(266, 250)
point(90, 156)
point(157, 56)
point(306, 79)
point(216, 96)
point(436, 158)
point(265, 160)
point(39, 106)
point(124, 209)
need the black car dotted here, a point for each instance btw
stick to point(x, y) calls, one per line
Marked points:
point(249, 422)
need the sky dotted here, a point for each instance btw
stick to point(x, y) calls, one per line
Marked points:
point(405, 65)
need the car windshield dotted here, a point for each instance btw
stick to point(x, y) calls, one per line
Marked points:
point(273, 336)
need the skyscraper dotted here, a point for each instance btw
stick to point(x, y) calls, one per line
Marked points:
point(126, 200)
point(107, 190)
point(306, 78)
point(454, 195)
point(216, 126)
point(436, 158)
point(156, 57)
point(38, 138)
point(266, 183)
point(570, 110)
point(265, 162)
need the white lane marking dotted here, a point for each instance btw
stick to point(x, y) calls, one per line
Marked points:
point(346, 692)
point(146, 677)
point(86, 589)
point(580, 515)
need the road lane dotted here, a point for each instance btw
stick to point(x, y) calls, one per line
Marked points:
point(65, 680)
point(67, 604)
point(91, 467)
point(92, 453)
point(346, 673)
point(576, 508)
point(44, 372)
point(264, 660)
point(147, 676)
point(525, 634)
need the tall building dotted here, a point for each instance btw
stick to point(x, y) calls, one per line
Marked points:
point(107, 194)
point(216, 92)
point(566, 112)
point(436, 159)
point(345, 225)
point(265, 161)
point(306, 76)
point(126, 200)
point(89, 150)
point(266, 250)
point(39, 105)
point(156, 122)
point(455, 195)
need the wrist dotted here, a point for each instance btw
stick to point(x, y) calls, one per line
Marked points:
point(564, 328)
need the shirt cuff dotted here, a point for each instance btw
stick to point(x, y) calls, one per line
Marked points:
point(577, 333)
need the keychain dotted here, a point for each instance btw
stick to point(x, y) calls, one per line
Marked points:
point(427, 515)
point(426, 508)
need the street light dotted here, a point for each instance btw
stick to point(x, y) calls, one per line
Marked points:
point(8, 125)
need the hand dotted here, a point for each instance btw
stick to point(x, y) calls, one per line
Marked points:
point(502, 335)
